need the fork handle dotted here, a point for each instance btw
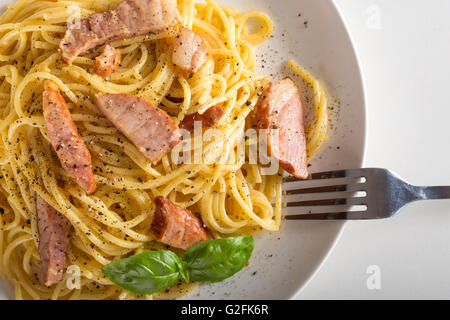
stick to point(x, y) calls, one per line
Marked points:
point(433, 193)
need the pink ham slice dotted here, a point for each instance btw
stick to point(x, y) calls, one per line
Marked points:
point(148, 127)
point(189, 51)
point(280, 111)
point(129, 19)
point(208, 119)
point(108, 62)
point(53, 239)
point(175, 226)
point(68, 144)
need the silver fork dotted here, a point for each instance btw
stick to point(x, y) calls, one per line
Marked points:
point(355, 194)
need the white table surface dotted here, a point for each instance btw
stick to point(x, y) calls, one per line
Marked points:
point(406, 68)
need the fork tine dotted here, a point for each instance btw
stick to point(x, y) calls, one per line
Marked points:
point(313, 203)
point(352, 215)
point(349, 188)
point(355, 201)
point(329, 175)
point(317, 189)
point(319, 175)
point(356, 187)
point(340, 191)
point(350, 173)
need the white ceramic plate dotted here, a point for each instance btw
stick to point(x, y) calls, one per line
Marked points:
point(314, 34)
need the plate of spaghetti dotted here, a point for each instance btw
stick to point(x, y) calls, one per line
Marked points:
point(144, 144)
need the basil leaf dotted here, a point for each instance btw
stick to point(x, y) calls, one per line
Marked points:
point(146, 273)
point(216, 260)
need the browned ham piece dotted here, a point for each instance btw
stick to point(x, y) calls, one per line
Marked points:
point(189, 51)
point(175, 226)
point(70, 148)
point(208, 119)
point(280, 111)
point(148, 127)
point(53, 239)
point(129, 19)
point(108, 62)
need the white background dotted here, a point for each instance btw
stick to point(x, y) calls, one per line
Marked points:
point(406, 70)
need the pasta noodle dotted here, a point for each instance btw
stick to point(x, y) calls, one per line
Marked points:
point(232, 198)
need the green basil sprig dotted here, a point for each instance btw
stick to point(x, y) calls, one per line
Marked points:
point(207, 261)
point(146, 273)
point(216, 260)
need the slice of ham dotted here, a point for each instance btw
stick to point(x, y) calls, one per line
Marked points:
point(70, 148)
point(189, 51)
point(129, 19)
point(280, 111)
point(53, 239)
point(175, 226)
point(108, 62)
point(148, 127)
point(208, 119)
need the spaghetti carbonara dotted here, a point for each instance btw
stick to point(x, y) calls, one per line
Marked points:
point(232, 197)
